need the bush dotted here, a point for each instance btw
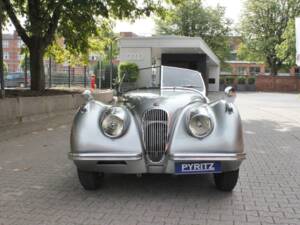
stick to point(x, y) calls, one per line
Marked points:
point(229, 80)
point(222, 80)
point(251, 80)
point(130, 69)
point(241, 80)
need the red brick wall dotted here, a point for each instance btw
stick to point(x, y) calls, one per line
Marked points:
point(278, 84)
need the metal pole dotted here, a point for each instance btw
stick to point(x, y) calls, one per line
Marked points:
point(100, 74)
point(50, 75)
point(2, 94)
point(69, 75)
point(111, 66)
point(84, 76)
point(73, 76)
point(25, 70)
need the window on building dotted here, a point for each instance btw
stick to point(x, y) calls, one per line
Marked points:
point(5, 44)
point(241, 70)
point(254, 70)
point(267, 70)
point(20, 43)
point(19, 57)
point(5, 55)
point(297, 71)
point(233, 55)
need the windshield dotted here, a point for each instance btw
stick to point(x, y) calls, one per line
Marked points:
point(166, 77)
point(179, 77)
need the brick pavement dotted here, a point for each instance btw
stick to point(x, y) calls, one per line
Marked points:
point(39, 186)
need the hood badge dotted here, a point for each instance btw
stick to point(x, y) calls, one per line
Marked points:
point(155, 104)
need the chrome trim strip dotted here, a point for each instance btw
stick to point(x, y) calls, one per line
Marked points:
point(208, 156)
point(105, 156)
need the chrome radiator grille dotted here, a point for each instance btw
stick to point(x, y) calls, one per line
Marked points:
point(155, 128)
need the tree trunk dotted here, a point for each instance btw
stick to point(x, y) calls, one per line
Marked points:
point(37, 67)
point(274, 70)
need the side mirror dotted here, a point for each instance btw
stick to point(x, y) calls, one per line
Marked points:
point(87, 95)
point(119, 89)
point(230, 94)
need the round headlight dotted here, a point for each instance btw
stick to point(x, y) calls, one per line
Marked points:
point(199, 123)
point(114, 122)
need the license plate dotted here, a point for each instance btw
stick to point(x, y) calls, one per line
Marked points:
point(197, 167)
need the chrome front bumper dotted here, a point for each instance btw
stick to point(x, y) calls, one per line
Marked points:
point(105, 156)
point(135, 162)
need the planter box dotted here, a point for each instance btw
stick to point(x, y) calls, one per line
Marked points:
point(241, 87)
point(251, 87)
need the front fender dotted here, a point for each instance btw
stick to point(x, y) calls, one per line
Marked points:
point(226, 137)
point(87, 137)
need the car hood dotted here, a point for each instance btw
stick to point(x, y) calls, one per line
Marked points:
point(170, 100)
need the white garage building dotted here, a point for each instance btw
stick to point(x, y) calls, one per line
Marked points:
point(186, 52)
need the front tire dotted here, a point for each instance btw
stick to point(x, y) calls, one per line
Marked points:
point(89, 180)
point(226, 181)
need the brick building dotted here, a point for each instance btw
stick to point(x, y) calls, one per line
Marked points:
point(238, 67)
point(12, 44)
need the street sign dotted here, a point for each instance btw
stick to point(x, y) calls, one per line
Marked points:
point(297, 21)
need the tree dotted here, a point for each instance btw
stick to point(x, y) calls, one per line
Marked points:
point(264, 27)
point(286, 50)
point(75, 20)
point(190, 18)
point(243, 53)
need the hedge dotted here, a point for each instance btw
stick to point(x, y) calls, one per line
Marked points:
point(130, 69)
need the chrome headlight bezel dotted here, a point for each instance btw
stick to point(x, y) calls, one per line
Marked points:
point(119, 114)
point(200, 113)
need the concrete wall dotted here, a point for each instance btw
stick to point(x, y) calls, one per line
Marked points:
point(23, 109)
point(142, 57)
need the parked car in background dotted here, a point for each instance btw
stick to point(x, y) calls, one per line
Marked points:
point(172, 129)
point(16, 80)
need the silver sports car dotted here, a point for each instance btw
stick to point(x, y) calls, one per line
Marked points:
point(172, 128)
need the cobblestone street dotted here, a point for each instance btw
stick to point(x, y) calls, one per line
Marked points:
point(39, 185)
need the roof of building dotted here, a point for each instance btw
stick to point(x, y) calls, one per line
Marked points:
point(169, 41)
point(243, 62)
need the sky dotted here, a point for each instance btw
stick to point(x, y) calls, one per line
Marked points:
point(146, 26)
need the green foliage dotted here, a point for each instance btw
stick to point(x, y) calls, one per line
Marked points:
point(251, 80)
point(229, 80)
point(130, 70)
point(75, 20)
point(245, 53)
point(241, 80)
point(191, 18)
point(22, 63)
point(5, 68)
point(266, 30)
point(286, 50)
point(104, 42)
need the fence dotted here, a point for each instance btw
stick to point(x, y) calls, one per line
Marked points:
point(66, 76)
